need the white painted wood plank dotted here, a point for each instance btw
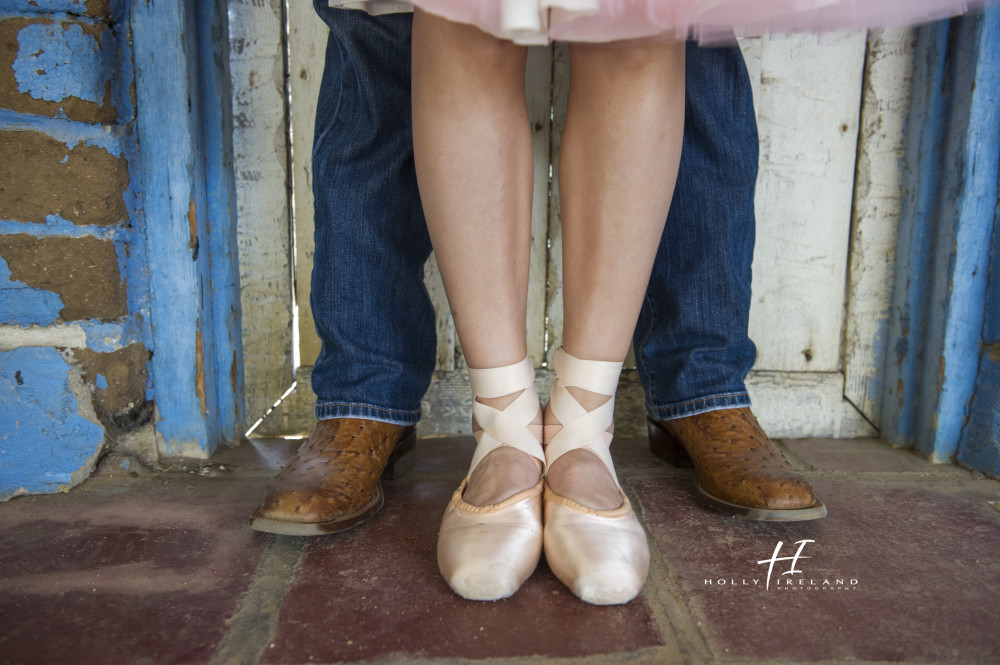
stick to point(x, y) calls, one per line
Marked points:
point(878, 189)
point(554, 294)
point(448, 350)
point(796, 405)
point(752, 48)
point(538, 89)
point(261, 166)
point(808, 124)
point(306, 49)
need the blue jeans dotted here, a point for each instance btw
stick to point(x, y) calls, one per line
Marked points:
point(372, 312)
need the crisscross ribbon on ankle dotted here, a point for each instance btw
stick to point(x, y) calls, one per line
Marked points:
point(581, 428)
point(509, 426)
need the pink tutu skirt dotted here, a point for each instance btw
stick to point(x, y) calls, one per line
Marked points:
point(543, 21)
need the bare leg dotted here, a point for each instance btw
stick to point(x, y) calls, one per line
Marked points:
point(472, 149)
point(620, 152)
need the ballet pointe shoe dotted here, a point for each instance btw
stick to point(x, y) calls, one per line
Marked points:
point(601, 555)
point(487, 552)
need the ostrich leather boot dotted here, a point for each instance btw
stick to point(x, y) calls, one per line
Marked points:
point(332, 483)
point(740, 470)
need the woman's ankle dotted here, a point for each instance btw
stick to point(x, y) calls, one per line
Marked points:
point(500, 475)
point(581, 476)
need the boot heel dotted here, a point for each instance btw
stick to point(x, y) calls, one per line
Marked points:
point(403, 456)
point(666, 446)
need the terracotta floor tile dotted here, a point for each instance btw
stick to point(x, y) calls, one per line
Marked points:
point(861, 455)
point(451, 454)
point(149, 572)
point(138, 568)
point(376, 591)
point(925, 554)
point(633, 453)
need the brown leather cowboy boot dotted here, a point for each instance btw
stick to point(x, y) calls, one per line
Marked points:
point(332, 483)
point(740, 470)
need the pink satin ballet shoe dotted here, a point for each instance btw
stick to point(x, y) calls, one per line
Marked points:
point(601, 555)
point(487, 552)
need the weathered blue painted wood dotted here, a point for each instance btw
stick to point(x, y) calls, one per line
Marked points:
point(946, 222)
point(979, 447)
point(223, 277)
point(168, 149)
point(189, 220)
point(980, 444)
point(906, 335)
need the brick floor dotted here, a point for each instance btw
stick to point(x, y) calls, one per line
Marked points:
point(148, 570)
point(142, 567)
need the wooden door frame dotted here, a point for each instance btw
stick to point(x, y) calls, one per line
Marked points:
point(188, 215)
point(941, 366)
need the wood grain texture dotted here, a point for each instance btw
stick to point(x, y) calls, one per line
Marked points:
point(878, 189)
point(448, 350)
point(808, 123)
point(260, 144)
point(306, 50)
point(538, 90)
point(554, 293)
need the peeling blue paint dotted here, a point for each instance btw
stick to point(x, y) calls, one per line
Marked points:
point(168, 137)
point(181, 79)
point(24, 305)
point(49, 434)
point(110, 137)
point(46, 441)
point(48, 6)
point(226, 346)
point(980, 445)
point(121, 82)
point(57, 61)
point(184, 163)
point(58, 226)
point(948, 214)
point(108, 336)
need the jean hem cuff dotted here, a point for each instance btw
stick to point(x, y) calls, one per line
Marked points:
point(332, 410)
point(698, 406)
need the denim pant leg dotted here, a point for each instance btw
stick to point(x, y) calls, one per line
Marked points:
point(372, 312)
point(691, 341)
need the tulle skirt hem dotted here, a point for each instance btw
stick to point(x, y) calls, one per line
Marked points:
point(706, 21)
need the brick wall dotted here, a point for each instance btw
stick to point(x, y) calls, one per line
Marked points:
point(74, 335)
